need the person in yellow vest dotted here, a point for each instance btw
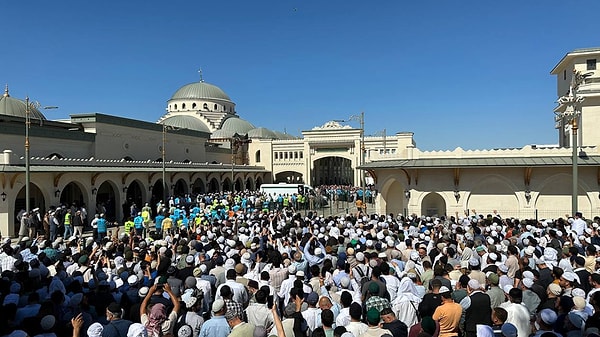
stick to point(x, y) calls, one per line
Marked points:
point(68, 229)
point(167, 225)
point(129, 225)
point(146, 218)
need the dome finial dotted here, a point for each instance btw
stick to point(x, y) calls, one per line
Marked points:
point(200, 72)
point(6, 91)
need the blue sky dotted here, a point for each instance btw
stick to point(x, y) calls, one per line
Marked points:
point(473, 74)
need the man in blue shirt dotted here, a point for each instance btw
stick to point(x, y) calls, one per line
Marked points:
point(217, 326)
point(102, 227)
point(139, 224)
point(158, 224)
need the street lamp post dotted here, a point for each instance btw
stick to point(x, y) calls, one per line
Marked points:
point(28, 106)
point(164, 155)
point(27, 168)
point(571, 114)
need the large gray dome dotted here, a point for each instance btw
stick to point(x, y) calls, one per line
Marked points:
point(15, 107)
point(261, 133)
point(231, 126)
point(201, 90)
point(186, 122)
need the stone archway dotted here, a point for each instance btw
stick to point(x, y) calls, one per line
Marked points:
point(495, 193)
point(106, 201)
point(134, 196)
point(180, 188)
point(259, 181)
point(333, 171)
point(238, 185)
point(554, 198)
point(227, 185)
point(213, 186)
point(72, 195)
point(249, 185)
point(433, 204)
point(395, 201)
point(198, 187)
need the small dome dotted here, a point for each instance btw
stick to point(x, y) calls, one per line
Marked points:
point(262, 133)
point(186, 122)
point(15, 107)
point(201, 90)
point(231, 126)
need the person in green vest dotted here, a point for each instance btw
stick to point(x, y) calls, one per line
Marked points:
point(146, 212)
point(129, 225)
point(68, 229)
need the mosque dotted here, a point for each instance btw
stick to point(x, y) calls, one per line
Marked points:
point(202, 145)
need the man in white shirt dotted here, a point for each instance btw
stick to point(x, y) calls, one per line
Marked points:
point(287, 285)
point(578, 224)
point(240, 295)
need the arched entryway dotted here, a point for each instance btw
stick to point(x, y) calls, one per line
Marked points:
point(157, 194)
point(289, 177)
point(395, 200)
point(238, 185)
point(36, 200)
point(554, 198)
point(213, 186)
point(72, 195)
point(106, 201)
point(198, 187)
point(333, 171)
point(134, 198)
point(259, 181)
point(180, 189)
point(433, 205)
point(227, 185)
point(495, 193)
point(249, 185)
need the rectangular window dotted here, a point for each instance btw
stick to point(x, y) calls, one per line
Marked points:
point(565, 74)
point(591, 64)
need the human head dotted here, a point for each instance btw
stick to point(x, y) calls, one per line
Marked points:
point(387, 315)
point(373, 317)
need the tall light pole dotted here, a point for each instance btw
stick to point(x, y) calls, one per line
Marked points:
point(571, 114)
point(28, 106)
point(27, 168)
point(234, 142)
point(164, 155)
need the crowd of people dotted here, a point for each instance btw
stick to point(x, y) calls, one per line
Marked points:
point(224, 265)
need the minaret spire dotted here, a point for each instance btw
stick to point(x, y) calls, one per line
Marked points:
point(6, 91)
point(200, 72)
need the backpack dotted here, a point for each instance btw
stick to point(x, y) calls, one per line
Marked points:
point(364, 278)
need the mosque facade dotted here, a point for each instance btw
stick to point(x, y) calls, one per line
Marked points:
point(108, 162)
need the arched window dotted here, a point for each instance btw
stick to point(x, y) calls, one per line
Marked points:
point(276, 155)
point(301, 155)
point(183, 106)
point(257, 156)
point(175, 106)
point(193, 105)
point(286, 155)
point(205, 106)
point(215, 107)
point(296, 155)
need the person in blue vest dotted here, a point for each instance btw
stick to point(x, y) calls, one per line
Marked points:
point(158, 224)
point(138, 223)
point(102, 227)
